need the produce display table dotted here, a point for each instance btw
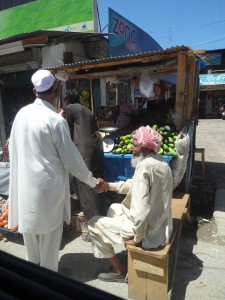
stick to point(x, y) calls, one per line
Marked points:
point(118, 166)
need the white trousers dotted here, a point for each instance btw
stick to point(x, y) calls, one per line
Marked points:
point(106, 231)
point(43, 249)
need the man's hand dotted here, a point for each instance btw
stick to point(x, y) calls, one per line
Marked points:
point(62, 113)
point(130, 242)
point(101, 186)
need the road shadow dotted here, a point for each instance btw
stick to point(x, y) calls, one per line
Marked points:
point(68, 236)
point(13, 237)
point(214, 172)
point(189, 266)
point(202, 197)
point(85, 267)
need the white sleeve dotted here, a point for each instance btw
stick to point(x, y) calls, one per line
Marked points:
point(121, 187)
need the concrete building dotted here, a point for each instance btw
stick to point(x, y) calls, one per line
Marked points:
point(212, 83)
point(22, 52)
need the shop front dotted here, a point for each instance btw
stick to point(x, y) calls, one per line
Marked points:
point(212, 95)
point(159, 88)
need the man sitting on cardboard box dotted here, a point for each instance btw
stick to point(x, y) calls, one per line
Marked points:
point(144, 216)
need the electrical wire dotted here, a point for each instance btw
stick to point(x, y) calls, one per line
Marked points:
point(190, 28)
point(222, 37)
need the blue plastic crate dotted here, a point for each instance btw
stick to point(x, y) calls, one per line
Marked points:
point(118, 166)
point(168, 158)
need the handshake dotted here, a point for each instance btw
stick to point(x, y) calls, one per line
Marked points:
point(101, 186)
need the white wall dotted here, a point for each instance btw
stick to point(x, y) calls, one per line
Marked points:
point(53, 55)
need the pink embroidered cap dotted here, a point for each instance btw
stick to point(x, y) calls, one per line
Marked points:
point(148, 138)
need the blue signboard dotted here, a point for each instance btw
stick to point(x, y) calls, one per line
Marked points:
point(211, 59)
point(212, 79)
point(128, 38)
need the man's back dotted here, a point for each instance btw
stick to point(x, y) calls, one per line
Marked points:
point(82, 124)
point(42, 155)
point(148, 202)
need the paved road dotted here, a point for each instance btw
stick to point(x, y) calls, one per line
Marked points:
point(200, 270)
point(211, 136)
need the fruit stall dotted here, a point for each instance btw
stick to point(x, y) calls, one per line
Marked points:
point(158, 88)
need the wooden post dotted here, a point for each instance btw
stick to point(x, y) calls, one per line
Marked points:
point(191, 88)
point(92, 99)
point(180, 88)
point(59, 97)
point(117, 94)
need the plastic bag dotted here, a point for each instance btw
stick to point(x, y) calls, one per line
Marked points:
point(179, 163)
point(182, 142)
point(146, 85)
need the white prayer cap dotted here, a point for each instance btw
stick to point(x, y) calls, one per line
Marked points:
point(42, 80)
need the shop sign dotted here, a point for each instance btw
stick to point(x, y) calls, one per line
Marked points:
point(211, 59)
point(69, 15)
point(212, 79)
point(127, 38)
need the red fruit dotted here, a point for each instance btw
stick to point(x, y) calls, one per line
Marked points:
point(5, 214)
point(14, 228)
point(4, 222)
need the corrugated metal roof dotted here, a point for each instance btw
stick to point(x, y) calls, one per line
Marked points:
point(172, 50)
point(60, 35)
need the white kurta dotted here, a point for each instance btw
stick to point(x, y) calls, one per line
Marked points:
point(42, 155)
point(145, 214)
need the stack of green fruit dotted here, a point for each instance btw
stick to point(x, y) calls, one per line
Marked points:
point(169, 136)
point(122, 144)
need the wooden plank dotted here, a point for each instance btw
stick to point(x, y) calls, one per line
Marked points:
point(59, 97)
point(92, 99)
point(128, 62)
point(180, 206)
point(41, 39)
point(180, 88)
point(143, 285)
point(136, 284)
point(191, 88)
point(160, 252)
point(147, 268)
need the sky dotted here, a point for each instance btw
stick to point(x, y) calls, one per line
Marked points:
point(198, 24)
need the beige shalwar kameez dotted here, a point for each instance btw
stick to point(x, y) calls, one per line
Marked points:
point(145, 213)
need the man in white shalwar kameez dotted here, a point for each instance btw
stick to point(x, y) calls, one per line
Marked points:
point(42, 155)
point(144, 216)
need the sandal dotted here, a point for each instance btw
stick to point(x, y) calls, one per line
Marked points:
point(112, 277)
